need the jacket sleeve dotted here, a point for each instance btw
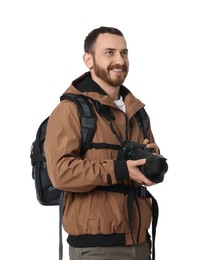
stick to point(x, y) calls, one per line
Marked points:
point(66, 169)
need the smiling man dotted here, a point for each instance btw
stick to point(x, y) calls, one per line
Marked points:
point(107, 59)
point(97, 183)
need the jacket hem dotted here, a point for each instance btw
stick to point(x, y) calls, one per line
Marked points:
point(97, 240)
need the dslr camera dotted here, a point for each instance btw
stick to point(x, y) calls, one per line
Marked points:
point(155, 167)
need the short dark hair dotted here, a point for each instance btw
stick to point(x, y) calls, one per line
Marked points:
point(93, 35)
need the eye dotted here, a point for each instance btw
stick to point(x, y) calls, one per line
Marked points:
point(124, 53)
point(109, 52)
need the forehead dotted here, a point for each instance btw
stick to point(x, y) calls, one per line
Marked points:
point(110, 41)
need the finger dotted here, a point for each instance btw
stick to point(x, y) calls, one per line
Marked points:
point(154, 147)
point(146, 141)
point(147, 182)
point(140, 162)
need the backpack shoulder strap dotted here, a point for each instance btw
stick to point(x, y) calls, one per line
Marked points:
point(87, 118)
point(142, 118)
point(88, 128)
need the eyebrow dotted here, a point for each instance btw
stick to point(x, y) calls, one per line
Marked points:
point(112, 49)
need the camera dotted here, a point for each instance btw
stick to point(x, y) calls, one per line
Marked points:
point(155, 167)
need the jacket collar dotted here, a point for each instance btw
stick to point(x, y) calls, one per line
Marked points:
point(85, 84)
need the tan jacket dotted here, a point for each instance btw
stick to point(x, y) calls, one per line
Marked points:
point(87, 211)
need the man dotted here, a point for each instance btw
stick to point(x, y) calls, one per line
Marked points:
point(96, 219)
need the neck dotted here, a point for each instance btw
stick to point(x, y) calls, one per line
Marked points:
point(112, 91)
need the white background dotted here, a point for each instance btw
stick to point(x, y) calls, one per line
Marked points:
point(41, 48)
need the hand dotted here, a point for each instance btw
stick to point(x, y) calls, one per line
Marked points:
point(135, 174)
point(151, 146)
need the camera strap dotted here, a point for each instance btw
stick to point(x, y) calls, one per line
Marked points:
point(142, 192)
point(141, 116)
point(132, 193)
point(106, 113)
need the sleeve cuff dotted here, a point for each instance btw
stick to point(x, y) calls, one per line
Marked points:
point(121, 171)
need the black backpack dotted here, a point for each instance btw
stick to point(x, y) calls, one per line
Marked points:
point(46, 193)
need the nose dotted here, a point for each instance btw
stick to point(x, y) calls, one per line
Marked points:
point(119, 58)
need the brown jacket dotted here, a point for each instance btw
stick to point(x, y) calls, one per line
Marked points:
point(93, 215)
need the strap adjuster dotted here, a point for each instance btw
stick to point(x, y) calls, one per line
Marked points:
point(140, 192)
point(143, 191)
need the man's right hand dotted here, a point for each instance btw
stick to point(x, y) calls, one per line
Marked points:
point(135, 174)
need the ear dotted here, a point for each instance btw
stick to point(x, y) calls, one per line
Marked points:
point(88, 59)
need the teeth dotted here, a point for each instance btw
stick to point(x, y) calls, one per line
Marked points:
point(117, 69)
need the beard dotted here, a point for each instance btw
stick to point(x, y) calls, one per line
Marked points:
point(104, 75)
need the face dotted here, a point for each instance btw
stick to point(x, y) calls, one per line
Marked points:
point(110, 62)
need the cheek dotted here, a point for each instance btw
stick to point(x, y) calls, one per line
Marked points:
point(104, 64)
point(103, 61)
point(127, 63)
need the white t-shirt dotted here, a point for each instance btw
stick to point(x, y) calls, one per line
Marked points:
point(120, 104)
